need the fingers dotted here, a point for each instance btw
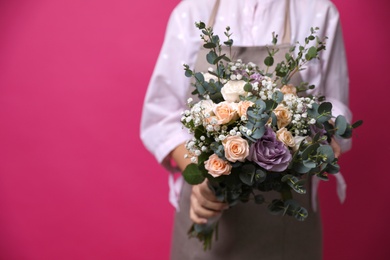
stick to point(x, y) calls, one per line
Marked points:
point(204, 204)
point(336, 147)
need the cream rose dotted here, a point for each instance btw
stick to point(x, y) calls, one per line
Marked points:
point(233, 89)
point(289, 89)
point(207, 107)
point(283, 115)
point(236, 148)
point(298, 140)
point(207, 76)
point(285, 137)
point(217, 167)
point(242, 107)
point(225, 112)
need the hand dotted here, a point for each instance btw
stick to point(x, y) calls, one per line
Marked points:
point(204, 204)
point(336, 147)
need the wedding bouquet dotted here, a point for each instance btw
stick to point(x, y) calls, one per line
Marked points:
point(254, 132)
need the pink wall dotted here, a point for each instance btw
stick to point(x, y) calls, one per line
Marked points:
point(75, 180)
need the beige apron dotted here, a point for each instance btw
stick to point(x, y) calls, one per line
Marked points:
point(248, 231)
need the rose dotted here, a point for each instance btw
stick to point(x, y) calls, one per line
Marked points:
point(216, 166)
point(298, 140)
point(207, 76)
point(225, 112)
point(285, 137)
point(283, 116)
point(236, 148)
point(270, 153)
point(207, 106)
point(289, 89)
point(233, 89)
point(242, 107)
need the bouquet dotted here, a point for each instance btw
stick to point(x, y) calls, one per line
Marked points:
point(254, 132)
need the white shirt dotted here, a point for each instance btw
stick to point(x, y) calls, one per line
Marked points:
point(252, 23)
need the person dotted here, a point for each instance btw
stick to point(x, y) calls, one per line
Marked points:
point(245, 230)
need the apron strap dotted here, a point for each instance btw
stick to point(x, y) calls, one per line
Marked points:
point(287, 26)
point(213, 14)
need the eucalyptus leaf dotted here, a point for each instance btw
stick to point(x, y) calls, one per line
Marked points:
point(260, 176)
point(300, 167)
point(332, 168)
point(269, 61)
point(327, 152)
point(277, 96)
point(309, 150)
point(258, 133)
point(209, 45)
point(193, 175)
point(259, 199)
point(211, 57)
point(357, 124)
point(276, 207)
point(341, 125)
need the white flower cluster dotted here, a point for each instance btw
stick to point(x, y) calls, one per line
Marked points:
point(268, 88)
point(298, 107)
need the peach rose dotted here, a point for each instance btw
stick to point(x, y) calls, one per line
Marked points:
point(243, 107)
point(236, 148)
point(289, 89)
point(225, 112)
point(283, 116)
point(285, 137)
point(217, 167)
point(233, 89)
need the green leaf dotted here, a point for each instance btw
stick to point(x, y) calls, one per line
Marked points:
point(309, 150)
point(258, 133)
point(277, 96)
point(300, 168)
point(292, 208)
point(269, 61)
point(211, 57)
point(193, 175)
point(276, 207)
point(341, 125)
point(294, 183)
point(199, 77)
point(332, 168)
point(260, 176)
point(259, 199)
point(209, 45)
point(357, 124)
point(325, 108)
point(247, 174)
point(309, 164)
point(311, 53)
point(347, 133)
point(248, 87)
point(327, 152)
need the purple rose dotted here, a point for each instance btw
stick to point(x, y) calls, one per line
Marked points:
point(270, 153)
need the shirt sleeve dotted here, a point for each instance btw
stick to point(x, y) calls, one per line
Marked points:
point(332, 66)
point(165, 99)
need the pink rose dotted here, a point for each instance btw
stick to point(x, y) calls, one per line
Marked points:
point(236, 148)
point(243, 107)
point(216, 166)
point(225, 112)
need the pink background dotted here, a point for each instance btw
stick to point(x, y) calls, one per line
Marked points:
point(75, 180)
